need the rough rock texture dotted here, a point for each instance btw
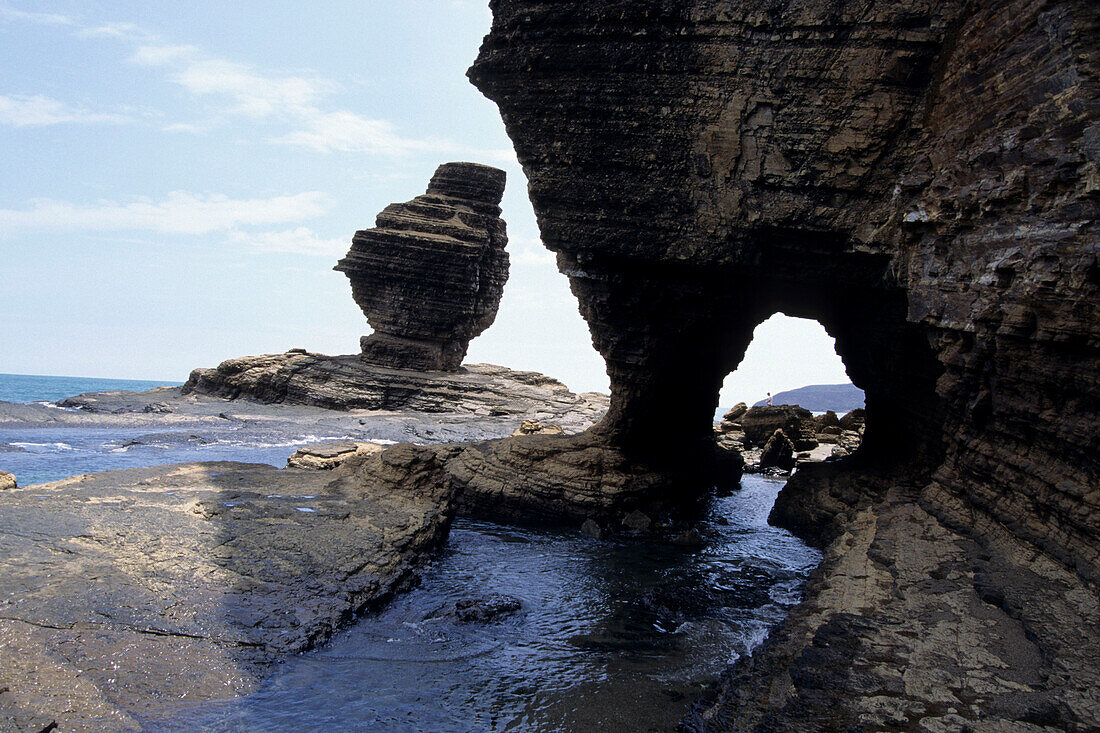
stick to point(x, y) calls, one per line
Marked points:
point(546, 478)
point(778, 452)
point(910, 625)
point(760, 423)
point(429, 276)
point(330, 454)
point(7, 481)
point(534, 427)
point(346, 382)
point(125, 591)
point(921, 178)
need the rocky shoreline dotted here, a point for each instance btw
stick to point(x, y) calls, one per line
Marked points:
point(127, 591)
point(917, 619)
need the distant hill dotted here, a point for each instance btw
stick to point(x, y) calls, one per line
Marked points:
point(839, 398)
point(821, 397)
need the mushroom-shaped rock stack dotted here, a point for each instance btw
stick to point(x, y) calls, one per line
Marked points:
point(429, 276)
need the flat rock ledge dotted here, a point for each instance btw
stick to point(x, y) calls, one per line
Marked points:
point(550, 478)
point(124, 593)
point(347, 382)
point(911, 623)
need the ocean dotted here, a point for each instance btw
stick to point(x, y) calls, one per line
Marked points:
point(50, 448)
point(28, 388)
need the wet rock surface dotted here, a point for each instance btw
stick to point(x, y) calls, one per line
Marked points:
point(912, 625)
point(430, 275)
point(347, 382)
point(487, 610)
point(126, 591)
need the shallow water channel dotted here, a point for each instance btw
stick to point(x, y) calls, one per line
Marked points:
point(612, 635)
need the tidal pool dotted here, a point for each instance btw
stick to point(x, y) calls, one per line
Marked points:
point(611, 635)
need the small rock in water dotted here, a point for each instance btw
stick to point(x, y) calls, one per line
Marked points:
point(687, 538)
point(486, 610)
point(592, 529)
point(636, 521)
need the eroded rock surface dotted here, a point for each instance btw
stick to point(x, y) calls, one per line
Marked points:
point(430, 275)
point(330, 454)
point(924, 180)
point(126, 591)
point(912, 625)
point(347, 382)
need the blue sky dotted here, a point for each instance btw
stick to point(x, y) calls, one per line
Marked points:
point(179, 178)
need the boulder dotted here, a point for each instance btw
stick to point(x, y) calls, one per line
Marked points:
point(778, 452)
point(760, 423)
point(828, 420)
point(7, 481)
point(490, 609)
point(734, 413)
point(429, 276)
point(534, 427)
point(330, 454)
point(854, 420)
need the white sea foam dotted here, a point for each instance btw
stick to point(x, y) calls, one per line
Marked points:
point(55, 446)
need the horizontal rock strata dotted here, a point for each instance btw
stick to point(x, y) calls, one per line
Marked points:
point(346, 382)
point(123, 593)
point(922, 179)
point(430, 275)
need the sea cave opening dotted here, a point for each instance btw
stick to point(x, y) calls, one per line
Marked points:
point(789, 402)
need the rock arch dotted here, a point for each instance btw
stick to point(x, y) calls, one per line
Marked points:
point(919, 178)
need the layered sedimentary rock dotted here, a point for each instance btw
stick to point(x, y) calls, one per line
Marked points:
point(430, 275)
point(923, 179)
point(347, 382)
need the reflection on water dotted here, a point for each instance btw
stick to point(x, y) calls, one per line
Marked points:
point(616, 635)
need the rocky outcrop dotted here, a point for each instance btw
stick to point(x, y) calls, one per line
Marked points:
point(7, 481)
point(128, 591)
point(760, 423)
point(347, 382)
point(924, 180)
point(534, 427)
point(330, 454)
point(910, 624)
point(778, 452)
point(430, 275)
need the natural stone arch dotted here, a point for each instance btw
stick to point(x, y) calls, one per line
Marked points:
point(670, 334)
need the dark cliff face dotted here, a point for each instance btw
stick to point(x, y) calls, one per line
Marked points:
point(923, 179)
point(430, 275)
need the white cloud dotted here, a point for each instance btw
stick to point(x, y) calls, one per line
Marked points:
point(180, 212)
point(291, 99)
point(296, 241)
point(24, 111)
point(128, 31)
point(161, 54)
point(255, 94)
point(7, 13)
point(529, 252)
point(349, 132)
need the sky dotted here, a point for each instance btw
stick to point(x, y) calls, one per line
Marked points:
point(178, 179)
